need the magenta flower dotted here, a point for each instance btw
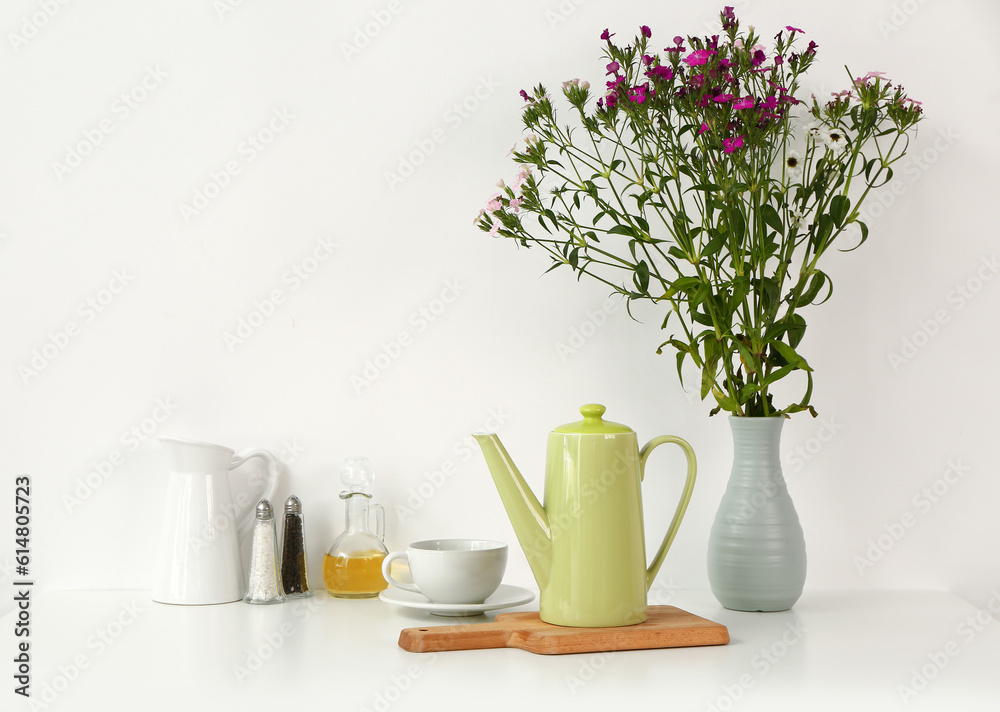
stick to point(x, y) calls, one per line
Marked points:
point(606, 36)
point(646, 32)
point(758, 58)
point(637, 94)
point(723, 98)
point(524, 95)
point(728, 17)
point(698, 57)
point(731, 144)
point(744, 103)
point(811, 49)
point(661, 72)
point(778, 60)
point(678, 40)
point(794, 29)
point(613, 68)
point(703, 129)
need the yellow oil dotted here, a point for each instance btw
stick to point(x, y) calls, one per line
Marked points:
point(355, 576)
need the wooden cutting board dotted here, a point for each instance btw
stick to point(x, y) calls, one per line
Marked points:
point(665, 627)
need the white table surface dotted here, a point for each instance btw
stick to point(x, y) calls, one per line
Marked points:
point(836, 650)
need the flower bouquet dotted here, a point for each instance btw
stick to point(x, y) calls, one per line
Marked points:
point(699, 181)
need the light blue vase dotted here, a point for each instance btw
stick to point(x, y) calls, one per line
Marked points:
point(756, 551)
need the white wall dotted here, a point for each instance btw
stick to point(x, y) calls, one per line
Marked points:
point(208, 78)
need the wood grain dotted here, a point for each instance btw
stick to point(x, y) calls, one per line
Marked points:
point(665, 627)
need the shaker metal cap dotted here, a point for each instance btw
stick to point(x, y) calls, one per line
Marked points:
point(264, 510)
point(293, 505)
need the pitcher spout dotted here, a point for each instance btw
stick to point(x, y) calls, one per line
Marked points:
point(526, 514)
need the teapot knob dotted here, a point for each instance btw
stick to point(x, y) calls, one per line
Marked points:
point(592, 411)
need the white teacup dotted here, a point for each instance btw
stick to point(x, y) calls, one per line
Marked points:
point(451, 570)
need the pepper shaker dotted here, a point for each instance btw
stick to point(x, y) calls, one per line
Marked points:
point(294, 570)
point(264, 585)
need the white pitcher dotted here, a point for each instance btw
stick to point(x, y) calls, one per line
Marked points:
point(199, 556)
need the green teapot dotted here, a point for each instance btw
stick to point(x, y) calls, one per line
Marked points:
point(586, 546)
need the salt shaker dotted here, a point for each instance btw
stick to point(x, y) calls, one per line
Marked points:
point(264, 585)
point(294, 573)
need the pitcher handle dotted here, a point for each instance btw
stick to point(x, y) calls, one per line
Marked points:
point(681, 506)
point(272, 480)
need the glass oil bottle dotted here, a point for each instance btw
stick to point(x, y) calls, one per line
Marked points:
point(352, 568)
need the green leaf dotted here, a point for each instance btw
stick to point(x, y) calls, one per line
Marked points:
point(641, 221)
point(750, 362)
point(777, 375)
point(839, 207)
point(706, 187)
point(796, 329)
point(772, 219)
point(807, 297)
point(725, 402)
point(641, 277)
point(737, 225)
point(790, 356)
point(623, 230)
point(823, 231)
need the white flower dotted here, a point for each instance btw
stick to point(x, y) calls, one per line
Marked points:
point(815, 131)
point(793, 165)
point(835, 139)
point(796, 216)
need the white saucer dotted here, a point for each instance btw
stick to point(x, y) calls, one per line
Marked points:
point(504, 597)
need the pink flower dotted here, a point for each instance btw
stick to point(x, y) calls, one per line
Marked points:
point(744, 103)
point(496, 226)
point(514, 204)
point(479, 216)
point(731, 144)
point(661, 72)
point(698, 56)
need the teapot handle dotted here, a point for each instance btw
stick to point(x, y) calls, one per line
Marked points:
point(271, 486)
point(681, 506)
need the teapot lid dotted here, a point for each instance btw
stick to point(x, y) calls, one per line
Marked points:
point(592, 423)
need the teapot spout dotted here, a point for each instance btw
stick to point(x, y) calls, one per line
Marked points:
point(531, 523)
